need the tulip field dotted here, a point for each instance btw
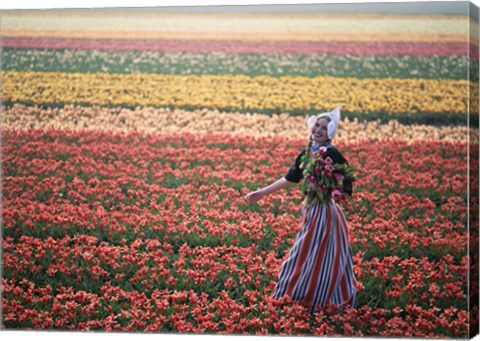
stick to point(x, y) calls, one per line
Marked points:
point(130, 139)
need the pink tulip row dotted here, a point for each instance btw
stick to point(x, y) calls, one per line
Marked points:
point(383, 49)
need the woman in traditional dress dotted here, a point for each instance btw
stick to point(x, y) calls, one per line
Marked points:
point(319, 268)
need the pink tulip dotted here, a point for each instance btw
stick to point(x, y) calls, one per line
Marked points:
point(337, 194)
point(329, 167)
point(339, 177)
point(322, 150)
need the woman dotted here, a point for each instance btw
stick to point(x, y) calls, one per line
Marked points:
point(319, 267)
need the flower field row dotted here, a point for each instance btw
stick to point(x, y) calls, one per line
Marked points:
point(117, 309)
point(275, 65)
point(229, 22)
point(241, 36)
point(237, 47)
point(152, 120)
point(241, 92)
point(118, 231)
point(303, 63)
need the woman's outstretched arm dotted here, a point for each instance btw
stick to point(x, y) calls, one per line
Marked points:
point(253, 197)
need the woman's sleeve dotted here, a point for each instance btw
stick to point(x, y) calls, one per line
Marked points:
point(295, 174)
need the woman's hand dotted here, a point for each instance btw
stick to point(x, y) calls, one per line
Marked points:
point(253, 197)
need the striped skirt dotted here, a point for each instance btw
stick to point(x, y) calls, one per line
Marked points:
point(319, 269)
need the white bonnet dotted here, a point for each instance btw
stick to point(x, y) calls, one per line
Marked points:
point(334, 116)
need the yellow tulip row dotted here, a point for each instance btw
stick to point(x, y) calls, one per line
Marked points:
point(151, 120)
point(240, 92)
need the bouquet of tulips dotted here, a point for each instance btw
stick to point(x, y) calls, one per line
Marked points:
point(323, 179)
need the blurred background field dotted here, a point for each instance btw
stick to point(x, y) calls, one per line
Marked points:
point(129, 140)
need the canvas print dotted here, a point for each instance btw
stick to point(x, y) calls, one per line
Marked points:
point(304, 170)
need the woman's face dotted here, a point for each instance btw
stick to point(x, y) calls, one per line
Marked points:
point(319, 131)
